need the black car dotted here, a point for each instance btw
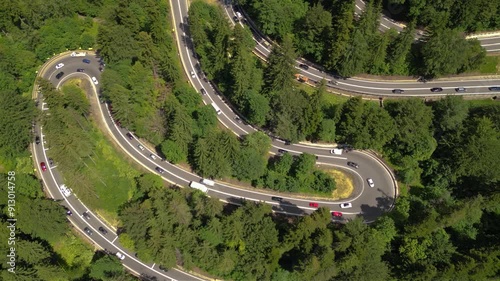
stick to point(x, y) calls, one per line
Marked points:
point(129, 135)
point(436, 89)
point(203, 92)
point(460, 90)
point(236, 19)
point(86, 215)
point(287, 142)
point(59, 75)
point(86, 60)
point(352, 164)
point(160, 170)
point(80, 70)
point(494, 88)
point(88, 231)
point(37, 140)
point(304, 66)
point(163, 268)
point(282, 151)
point(279, 199)
point(102, 230)
point(398, 91)
point(69, 213)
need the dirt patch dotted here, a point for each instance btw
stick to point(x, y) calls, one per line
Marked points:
point(345, 185)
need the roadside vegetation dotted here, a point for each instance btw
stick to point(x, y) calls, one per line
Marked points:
point(445, 152)
point(329, 33)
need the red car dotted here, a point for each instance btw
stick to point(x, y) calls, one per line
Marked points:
point(312, 204)
point(43, 166)
point(337, 214)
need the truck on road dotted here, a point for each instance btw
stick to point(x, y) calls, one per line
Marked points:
point(78, 54)
point(198, 186)
point(217, 109)
point(301, 78)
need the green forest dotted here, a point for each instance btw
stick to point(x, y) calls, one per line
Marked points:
point(330, 34)
point(445, 154)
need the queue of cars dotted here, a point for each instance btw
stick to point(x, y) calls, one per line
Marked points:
point(439, 89)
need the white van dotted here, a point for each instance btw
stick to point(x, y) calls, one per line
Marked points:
point(198, 186)
point(217, 109)
point(336, 151)
point(208, 182)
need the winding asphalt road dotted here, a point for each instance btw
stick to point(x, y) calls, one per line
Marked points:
point(413, 88)
point(369, 202)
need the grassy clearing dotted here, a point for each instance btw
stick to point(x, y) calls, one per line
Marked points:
point(329, 98)
point(483, 102)
point(103, 180)
point(491, 65)
point(345, 185)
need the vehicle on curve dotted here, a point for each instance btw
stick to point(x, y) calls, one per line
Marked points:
point(59, 65)
point(352, 164)
point(88, 231)
point(217, 109)
point(129, 135)
point(87, 61)
point(436, 89)
point(43, 166)
point(65, 190)
point(203, 92)
point(370, 182)
point(398, 91)
point(37, 140)
point(159, 170)
point(140, 147)
point(193, 75)
point(95, 80)
point(460, 90)
point(199, 186)
point(120, 255)
point(102, 230)
point(152, 156)
point(59, 75)
point(337, 214)
point(304, 66)
point(336, 151)
point(282, 151)
point(301, 78)
point(78, 54)
point(208, 182)
point(80, 70)
point(345, 205)
point(86, 215)
point(313, 204)
point(275, 198)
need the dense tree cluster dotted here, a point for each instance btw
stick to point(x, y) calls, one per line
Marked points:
point(41, 226)
point(329, 33)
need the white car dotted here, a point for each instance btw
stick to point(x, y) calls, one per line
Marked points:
point(95, 80)
point(193, 75)
point(345, 205)
point(370, 182)
point(65, 191)
point(336, 151)
point(140, 147)
point(153, 156)
point(59, 65)
point(120, 255)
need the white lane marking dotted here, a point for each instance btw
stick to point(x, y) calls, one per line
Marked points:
point(153, 265)
point(492, 44)
point(114, 240)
